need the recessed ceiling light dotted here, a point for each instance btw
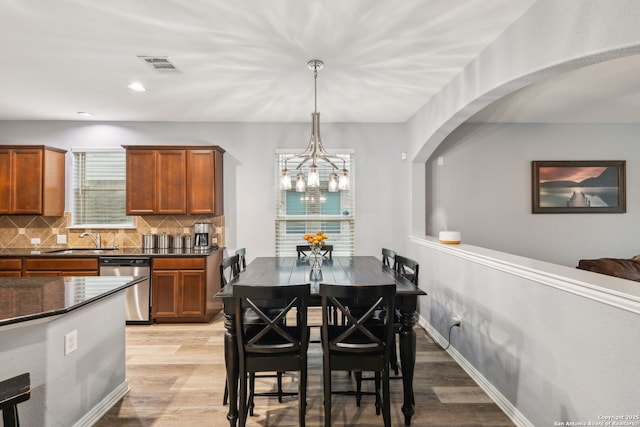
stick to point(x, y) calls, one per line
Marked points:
point(85, 114)
point(137, 87)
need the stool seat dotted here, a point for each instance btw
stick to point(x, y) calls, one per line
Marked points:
point(13, 391)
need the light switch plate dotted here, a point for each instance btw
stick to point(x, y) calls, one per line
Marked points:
point(35, 241)
point(61, 238)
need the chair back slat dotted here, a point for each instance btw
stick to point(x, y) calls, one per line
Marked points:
point(242, 254)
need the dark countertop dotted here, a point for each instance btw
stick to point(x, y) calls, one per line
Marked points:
point(29, 298)
point(90, 252)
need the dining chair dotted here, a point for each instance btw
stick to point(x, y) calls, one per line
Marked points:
point(271, 344)
point(242, 253)
point(407, 268)
point(304, 250)
point(360, 345)
point(388, 255)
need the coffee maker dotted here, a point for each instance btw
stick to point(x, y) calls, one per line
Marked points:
point(202, 230)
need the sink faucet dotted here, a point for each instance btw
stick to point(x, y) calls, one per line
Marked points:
point(96, 238)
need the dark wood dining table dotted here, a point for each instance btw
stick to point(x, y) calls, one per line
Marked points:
point(356, 270)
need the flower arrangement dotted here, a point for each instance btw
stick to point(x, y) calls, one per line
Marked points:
point(316, 241)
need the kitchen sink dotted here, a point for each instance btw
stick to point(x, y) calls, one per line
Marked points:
point(76, 251)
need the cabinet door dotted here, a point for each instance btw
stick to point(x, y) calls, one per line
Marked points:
point(192, 293)
point(165, 293)
point(171, 183)
point(26, 191)
point(201, 182)
point(5, 181)
point(141, 182)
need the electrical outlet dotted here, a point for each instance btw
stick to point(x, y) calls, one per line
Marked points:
point(35, 240)
point(71, 342)
point(61, 238)
point(456, 321)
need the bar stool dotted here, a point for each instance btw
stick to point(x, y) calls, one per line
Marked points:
point(13, 391)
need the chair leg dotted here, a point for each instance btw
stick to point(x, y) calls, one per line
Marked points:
point(386, 398)
point(378, 402)
point(252, 388)
point(279, 375)
point(326, 375)
point(358, 376)
point(10, 416)
point(302, 396)
point(225, 397)
point(242, 404)
point(393, 357)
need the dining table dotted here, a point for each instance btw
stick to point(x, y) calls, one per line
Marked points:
point(341, 270)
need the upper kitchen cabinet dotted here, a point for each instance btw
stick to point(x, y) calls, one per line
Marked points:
point(170, 180)
point(31, 180)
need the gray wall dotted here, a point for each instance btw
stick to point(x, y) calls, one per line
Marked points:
point(483, 189)
point(249, 168)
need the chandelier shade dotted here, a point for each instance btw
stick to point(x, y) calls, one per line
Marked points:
point(315, 153)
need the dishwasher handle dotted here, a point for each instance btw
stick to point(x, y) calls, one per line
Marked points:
point(139, 261)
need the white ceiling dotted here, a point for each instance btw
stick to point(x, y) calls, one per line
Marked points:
point(238, 60)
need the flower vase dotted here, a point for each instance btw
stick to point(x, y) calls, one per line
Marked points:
point(315, 260)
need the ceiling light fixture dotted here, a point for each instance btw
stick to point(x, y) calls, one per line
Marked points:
point(315, 152)
point(137, 87)
point(85, 114)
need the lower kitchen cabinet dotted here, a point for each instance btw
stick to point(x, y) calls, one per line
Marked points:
point(60, 266)
point(183, 289)
point(10, 267)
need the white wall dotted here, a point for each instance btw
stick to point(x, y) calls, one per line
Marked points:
point(484, 190)
point(249, 168)
point(550, 344)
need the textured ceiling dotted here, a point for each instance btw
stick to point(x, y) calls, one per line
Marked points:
point(238, 60)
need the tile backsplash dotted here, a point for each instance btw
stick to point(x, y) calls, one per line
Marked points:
point(17, 231)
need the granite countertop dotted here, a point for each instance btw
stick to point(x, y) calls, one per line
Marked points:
point(94, 252)
point(29, 298)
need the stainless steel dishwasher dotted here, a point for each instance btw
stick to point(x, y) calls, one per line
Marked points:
point(138, 297)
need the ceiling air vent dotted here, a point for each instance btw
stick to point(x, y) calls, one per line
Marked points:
point(160, 63)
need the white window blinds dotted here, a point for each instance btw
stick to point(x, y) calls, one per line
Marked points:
point(99, 186)
point(314, 210)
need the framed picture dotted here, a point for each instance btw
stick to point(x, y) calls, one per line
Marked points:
point(579, 186)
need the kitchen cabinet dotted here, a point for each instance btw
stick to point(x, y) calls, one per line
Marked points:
point(10, 267)
point(60, 266)
point(31, 180)
point(172, 180)
point(183, 289)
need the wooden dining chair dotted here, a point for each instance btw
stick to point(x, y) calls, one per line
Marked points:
point(407, 268)
point(271, 344)
point(360, 345)
point(304, 251)
point(389, 257)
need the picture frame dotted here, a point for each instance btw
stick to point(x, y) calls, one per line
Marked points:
point(588, 186)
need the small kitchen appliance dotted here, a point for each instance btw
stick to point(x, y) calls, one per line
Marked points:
point(202, 231)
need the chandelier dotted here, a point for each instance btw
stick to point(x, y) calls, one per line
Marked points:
point(315, 152)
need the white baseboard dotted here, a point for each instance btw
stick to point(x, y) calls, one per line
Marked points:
point(502, 402)
point(98, 411)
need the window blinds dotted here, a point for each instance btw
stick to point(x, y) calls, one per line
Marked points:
point(99, 188)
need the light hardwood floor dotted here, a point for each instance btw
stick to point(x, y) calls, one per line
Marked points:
point(176, 375)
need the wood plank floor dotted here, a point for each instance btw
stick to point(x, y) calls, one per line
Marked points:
point(176, 375)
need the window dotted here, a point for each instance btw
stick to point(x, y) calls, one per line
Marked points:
point(99, 188)
point(316, 209)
